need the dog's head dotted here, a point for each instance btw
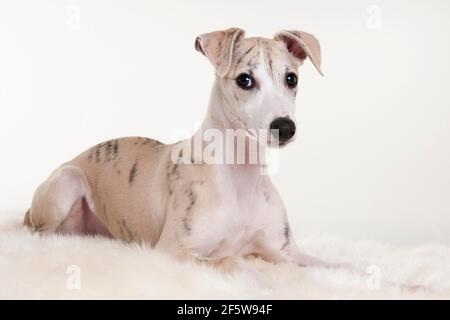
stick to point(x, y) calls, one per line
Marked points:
point(258, 77)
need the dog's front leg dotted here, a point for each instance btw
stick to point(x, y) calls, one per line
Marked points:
point(270, 250)
point(295, 255)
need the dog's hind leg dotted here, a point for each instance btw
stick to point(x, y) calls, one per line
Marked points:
point(63, 204)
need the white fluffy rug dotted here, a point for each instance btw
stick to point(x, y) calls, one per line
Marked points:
point(48, 267)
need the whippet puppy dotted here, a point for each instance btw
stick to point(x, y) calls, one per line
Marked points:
point(136, 189)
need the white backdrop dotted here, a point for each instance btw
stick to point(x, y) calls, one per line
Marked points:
point(372, 159)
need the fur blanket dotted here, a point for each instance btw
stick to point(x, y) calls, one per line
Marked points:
point(57, 267)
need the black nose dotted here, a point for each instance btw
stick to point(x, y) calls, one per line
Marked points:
point(285, 127)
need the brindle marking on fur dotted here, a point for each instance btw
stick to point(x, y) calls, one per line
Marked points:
point(268, 52)
point(116, 149)
point(220, 46)
point(108, 151)
point(90, 156)
point(144, 141)
point(97, 153)
point(133, 171)
point(114, 154)
point(244, 54)
point(174, 169)
point(172, 175)
point(191, 202)
point(286, 235)
point(169, 185)
point(286, 69)
point(253, 62)
point(249, 49)
point(180, 157)
point(270, 66)
point(155, 143)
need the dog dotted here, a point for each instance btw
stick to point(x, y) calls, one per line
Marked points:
point(134, 189)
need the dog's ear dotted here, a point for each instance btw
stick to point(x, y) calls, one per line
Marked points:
point(301, 45)
point(218, 47)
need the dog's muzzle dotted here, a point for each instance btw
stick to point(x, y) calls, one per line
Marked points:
point(283, 128)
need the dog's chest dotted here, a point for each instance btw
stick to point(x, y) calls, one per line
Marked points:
point(237, 225)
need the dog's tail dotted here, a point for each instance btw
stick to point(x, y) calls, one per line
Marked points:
point(27, 220)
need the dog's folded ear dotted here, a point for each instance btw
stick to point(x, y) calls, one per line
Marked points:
point(301, 45)
point(218, 47)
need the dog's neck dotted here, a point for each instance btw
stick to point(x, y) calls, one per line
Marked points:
point(218, 119)
point(216, 116)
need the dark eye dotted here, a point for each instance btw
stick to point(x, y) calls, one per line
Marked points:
point(245, 81)
point(291, 80)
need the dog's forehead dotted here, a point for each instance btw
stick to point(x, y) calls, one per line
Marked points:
point(248, 53)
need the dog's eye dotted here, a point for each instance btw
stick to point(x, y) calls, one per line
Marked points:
point(291, 80)
point(245, 81)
